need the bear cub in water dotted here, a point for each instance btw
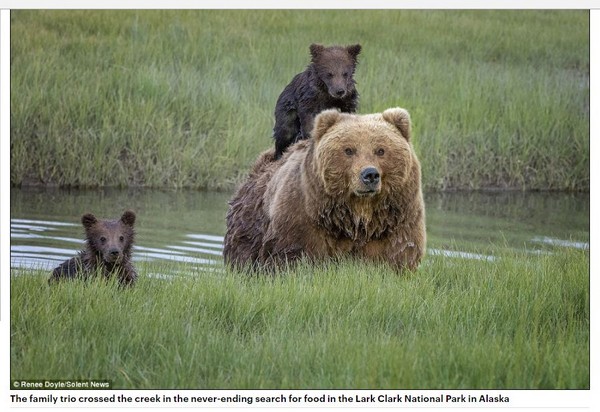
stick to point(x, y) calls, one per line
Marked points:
point(108, 245)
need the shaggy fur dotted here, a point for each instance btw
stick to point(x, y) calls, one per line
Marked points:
point(328, 82)
point(353, 190)
point(108, 247)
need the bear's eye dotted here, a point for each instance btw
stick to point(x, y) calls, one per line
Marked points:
point(349, 151)
point(379, 152)
point(102, 239)
point(345, 75)
point(121, 238)
point(330, 75)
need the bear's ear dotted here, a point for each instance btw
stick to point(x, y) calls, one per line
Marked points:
point(400, 119)
point(128, 218)
point(353, 50)
point(316, 50)
point(324, 121)
point(88, 220)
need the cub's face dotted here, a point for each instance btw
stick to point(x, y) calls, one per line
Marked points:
point(111, 239)
point(337, 75)
point(335, 67)
point(362, 156)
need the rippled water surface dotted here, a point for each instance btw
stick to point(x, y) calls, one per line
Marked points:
point(188, 226)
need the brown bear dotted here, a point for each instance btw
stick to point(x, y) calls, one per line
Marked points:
point(353, 190)
point(108, 245)
point(327, 83)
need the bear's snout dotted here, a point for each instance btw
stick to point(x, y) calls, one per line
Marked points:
point(339, 93)
point(113, 255)
point(370, 179)
point(370, 176)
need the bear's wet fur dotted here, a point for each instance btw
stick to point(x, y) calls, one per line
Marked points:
point(352, 190)
point(108, 249)
point(327, 83)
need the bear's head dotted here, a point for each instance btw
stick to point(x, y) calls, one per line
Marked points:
point(111, 240)
point(364, 156)
point(334, 67)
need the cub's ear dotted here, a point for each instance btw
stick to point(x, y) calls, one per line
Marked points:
point(400, 119)
point(354, 50)
point(128, 218)
point(324, 121)
point(316, 50)
point(88, 220)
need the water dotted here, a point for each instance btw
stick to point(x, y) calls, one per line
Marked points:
point(188, 226)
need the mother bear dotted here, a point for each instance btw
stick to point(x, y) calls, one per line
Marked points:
point(353, 189)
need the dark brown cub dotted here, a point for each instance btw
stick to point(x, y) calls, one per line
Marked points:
point(108, 245)
point(327, 83)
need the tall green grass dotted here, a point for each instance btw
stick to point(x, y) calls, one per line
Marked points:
point(520, 321)
point(186, 98)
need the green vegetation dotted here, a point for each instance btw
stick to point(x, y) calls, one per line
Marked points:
point(185, 99)
point(521, 321)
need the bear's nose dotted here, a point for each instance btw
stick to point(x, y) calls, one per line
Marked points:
point(370, 176)
point(340, 92)
point(114, 252)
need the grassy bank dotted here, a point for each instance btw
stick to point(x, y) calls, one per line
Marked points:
point(186, 98)
point(520, 321)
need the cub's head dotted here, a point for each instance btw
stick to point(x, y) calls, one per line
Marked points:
point(364, 155)
point(334, 67)
point(110, 239)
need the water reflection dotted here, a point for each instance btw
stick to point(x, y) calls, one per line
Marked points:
point(189, 226)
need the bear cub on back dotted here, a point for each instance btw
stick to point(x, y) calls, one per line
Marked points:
point(327, 83)
point(108, 245)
